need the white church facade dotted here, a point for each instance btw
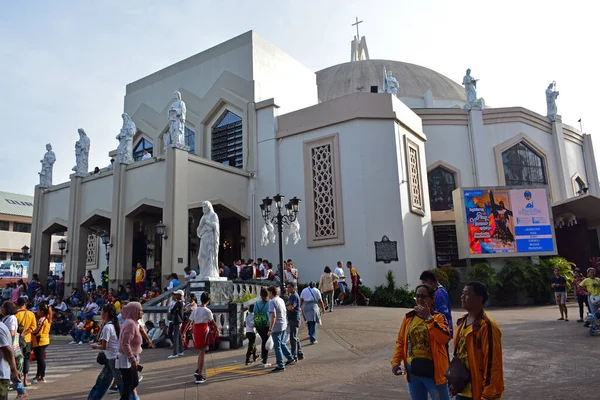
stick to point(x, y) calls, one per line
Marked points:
point(366, 165)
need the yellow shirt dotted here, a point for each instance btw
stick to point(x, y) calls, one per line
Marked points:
point(139, 275)
point(353, 272)
point(591, 285)
point(43, 336)
point(461, 353)
point(29, 322)
point(418, 340)
point(117, 305)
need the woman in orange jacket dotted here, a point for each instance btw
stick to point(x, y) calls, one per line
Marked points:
point(421, 346)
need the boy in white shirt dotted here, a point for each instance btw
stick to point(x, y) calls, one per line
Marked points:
point(339, 271)
point(204, 329)
point(250, 335)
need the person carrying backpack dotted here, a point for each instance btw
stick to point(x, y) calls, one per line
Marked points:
point(261, 324)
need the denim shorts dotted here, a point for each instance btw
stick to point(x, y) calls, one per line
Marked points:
point(342, 286)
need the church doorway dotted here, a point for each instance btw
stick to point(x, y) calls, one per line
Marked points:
point(146, 246)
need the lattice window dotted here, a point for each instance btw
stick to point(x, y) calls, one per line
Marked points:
point(92, 250)
point(324, 223)
point(415, 186)
point(323, 197)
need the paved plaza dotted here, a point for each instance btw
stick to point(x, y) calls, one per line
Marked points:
point(543, 359)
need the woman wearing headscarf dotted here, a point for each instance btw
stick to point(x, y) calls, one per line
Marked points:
point(421, 346)
point(130, 348)
point(312, 306)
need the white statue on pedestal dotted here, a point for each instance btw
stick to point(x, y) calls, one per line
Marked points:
point(125, 138)
point(551, 95)
point(208, 231)
point(82, 152)
point(390, 84)
point(470, 90)
point(175, 137)
point(47, 166)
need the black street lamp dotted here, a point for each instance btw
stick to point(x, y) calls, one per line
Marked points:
point(105, 237)
point(291, 213)
point(62, 245)
point(25, 252)
point(161, 230)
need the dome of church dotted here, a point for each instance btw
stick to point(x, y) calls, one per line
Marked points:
point(414, 80)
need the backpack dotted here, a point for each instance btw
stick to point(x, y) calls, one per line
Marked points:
point(260, 319)
point(247, 272)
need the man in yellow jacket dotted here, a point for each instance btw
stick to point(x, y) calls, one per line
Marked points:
point(478, 344)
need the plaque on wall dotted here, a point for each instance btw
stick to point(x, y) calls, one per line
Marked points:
point(386, 250)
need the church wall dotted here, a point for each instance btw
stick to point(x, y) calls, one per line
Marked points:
point(145, 182)
point(371, 199)
point(55, 206)
point(576, 163)
point(277, 75)
point(96, 194)
point(450, 144)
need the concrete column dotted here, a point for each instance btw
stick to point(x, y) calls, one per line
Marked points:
point(565, 188)
point(35, 263)
point(479, 146)
point(119, 269)
point(175, 213)
point(590, 166)
point(73, 258)
point(43, 257)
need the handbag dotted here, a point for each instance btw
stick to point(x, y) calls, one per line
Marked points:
point(101, 358)
point(458, 374)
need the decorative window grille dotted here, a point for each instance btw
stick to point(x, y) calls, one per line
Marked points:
point(414, 178)
point(523, 166)
point(442, 183)
point(91, 257)
point(323, 192)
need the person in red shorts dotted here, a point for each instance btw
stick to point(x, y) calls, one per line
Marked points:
point(204, 330)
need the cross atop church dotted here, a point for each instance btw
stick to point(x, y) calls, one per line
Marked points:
point(359, 50)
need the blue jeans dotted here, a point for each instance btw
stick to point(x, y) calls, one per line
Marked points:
point(280, 349)
point(105, 379)
point(89, 314)
point(419, 387)
point(312, 331)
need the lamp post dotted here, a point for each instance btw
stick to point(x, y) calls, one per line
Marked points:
point(276, 217)
point(62, 245)
point(105, 237)
point(25, 252)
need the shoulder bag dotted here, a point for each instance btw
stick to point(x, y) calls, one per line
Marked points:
point(458, 374)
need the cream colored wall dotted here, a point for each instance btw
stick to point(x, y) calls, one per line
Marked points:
point(145, 180)
point(55, 205)
point(576, 163)
point(96, 194)
point(208, 180)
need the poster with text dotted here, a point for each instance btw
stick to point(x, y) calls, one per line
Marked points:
point(508, 221)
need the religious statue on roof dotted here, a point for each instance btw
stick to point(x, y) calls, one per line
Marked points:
point(82, 152)
point(47, 166)
point(470, 84)
point(175, 137)
point(551, 95)
point(390, 84)
point(125, 138)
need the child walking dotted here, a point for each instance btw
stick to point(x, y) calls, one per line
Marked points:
point(204, 328)
point(250, 335)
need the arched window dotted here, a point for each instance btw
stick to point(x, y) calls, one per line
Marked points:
point(226, 140)
point(523, 166)
point(441, 184)
point(138, 150)
point(190, 140)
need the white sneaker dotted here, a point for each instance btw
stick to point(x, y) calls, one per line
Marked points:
point(173, 356)
point(80, 342)
point(266, 365)
point(72, 342)
point(180, 354)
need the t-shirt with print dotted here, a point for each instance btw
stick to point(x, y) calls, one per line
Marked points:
point(294, 301)
point(277, 306)
point(559, 281)
point(201, 315)
point(418, 340)
point(139, 275)
point(461, 353)
point(592, 286)
point(112, 342)
point(5, 340)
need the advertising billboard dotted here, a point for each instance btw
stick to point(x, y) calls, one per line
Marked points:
point(503, 222)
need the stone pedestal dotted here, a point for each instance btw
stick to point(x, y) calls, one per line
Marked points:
point(220, 289)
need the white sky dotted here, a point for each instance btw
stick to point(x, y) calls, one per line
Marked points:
point(65, 64)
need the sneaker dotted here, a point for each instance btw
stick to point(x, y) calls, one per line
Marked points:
point(266, 365)
point(367, 302)
point(180, 354)
point(140, 378)
point(255, 357)
point(300, 356)
point(247, 362)
point(278, 369)
point(293, 360)
point(200, 379)
point(72, 342)
point(173, 356)
point(80, 342)
point(113, 390)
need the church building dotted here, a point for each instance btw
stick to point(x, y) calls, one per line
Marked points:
point(373, 148)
